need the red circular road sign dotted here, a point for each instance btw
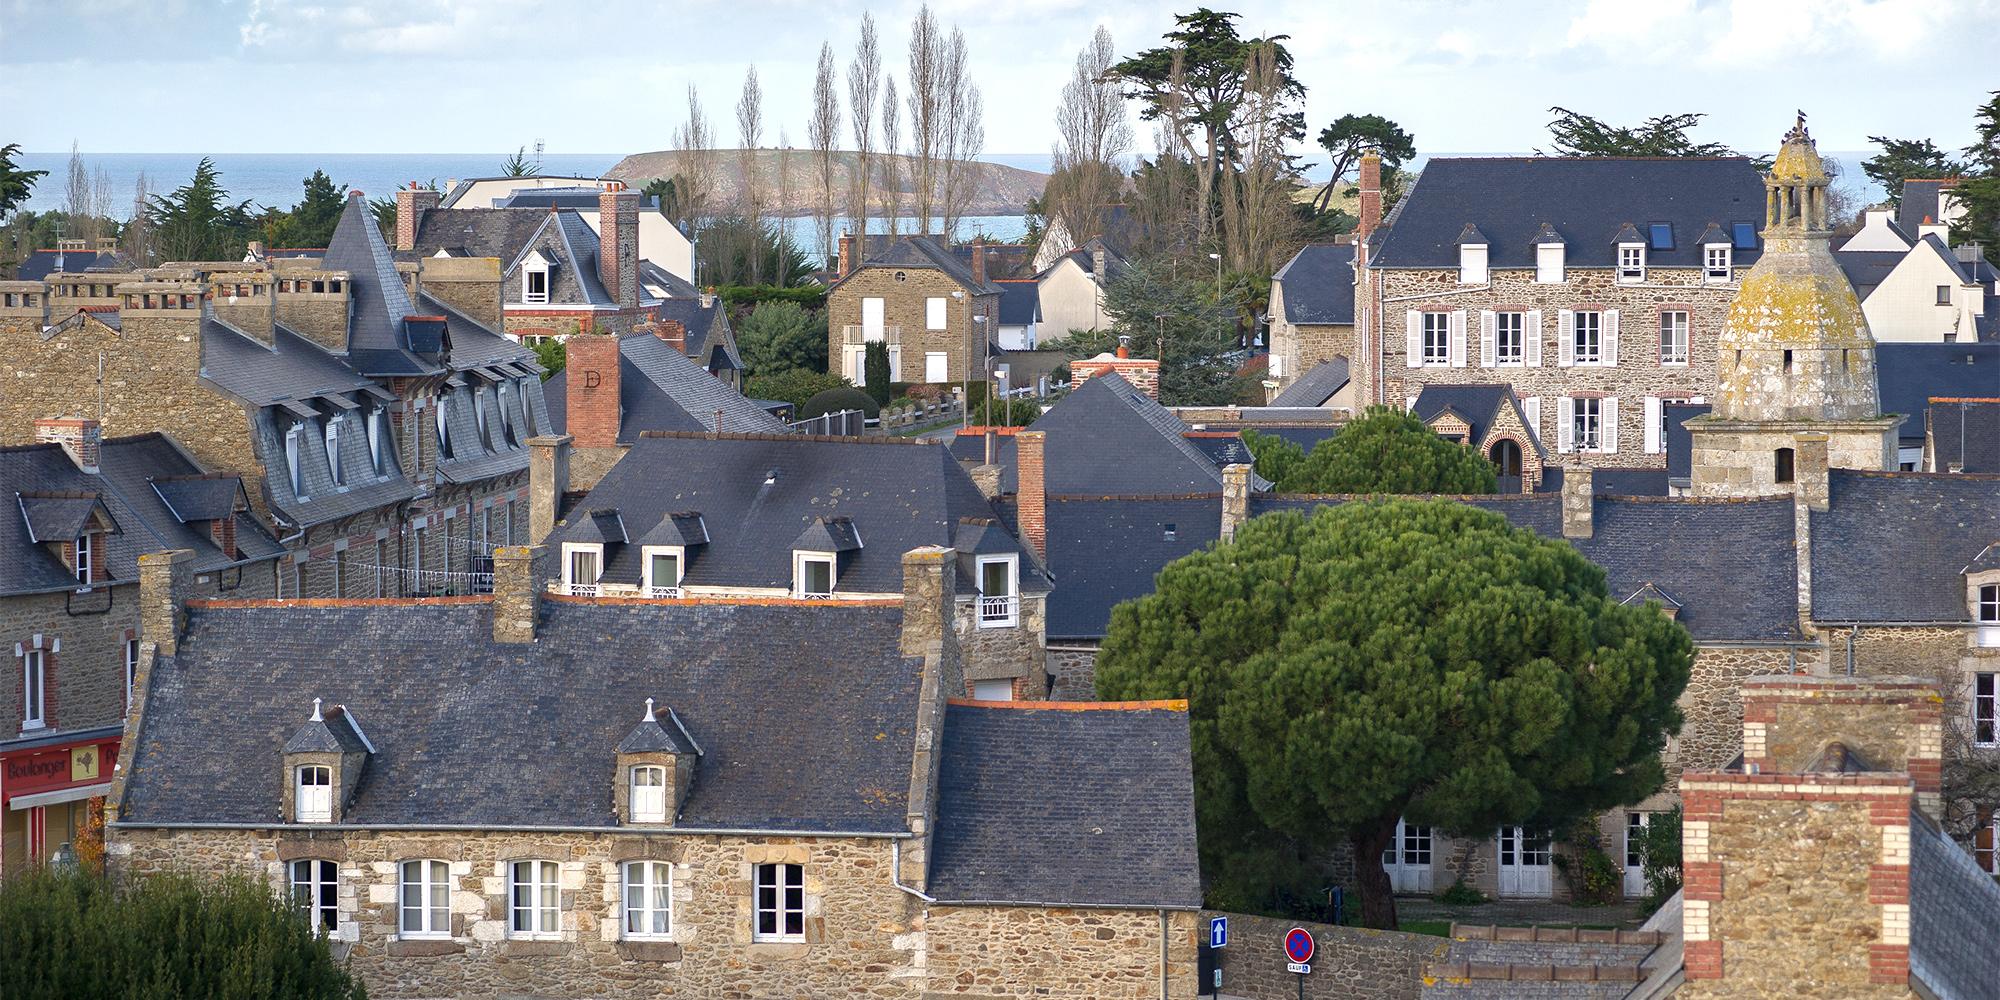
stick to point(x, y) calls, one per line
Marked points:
point(1299, 945)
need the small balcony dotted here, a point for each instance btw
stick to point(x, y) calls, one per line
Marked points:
point(854, 335)
point(660, 593)
point(1000, 611)
point(577, 589)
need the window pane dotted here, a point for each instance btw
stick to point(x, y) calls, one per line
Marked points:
point(666, 571)
point(995, 579)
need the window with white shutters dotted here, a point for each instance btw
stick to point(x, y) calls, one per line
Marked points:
point(1456, 350)
point(1437, 338)
point(1509, 338)
point(1586, 337)
point(1608, 436)
point(1413, 338)
point(1532, 330)
point(1565, 424)
point(1531, 408)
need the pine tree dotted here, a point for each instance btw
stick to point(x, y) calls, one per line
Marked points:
point(198, 222)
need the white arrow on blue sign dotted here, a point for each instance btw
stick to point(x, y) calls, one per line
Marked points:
point(1218, 932)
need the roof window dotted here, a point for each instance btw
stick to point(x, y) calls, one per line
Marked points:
point(1743, 236)
point(1660, 235)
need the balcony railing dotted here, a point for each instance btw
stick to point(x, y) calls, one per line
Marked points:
point(891, 335)
point(663, 592)
point(577, 589)
point(995, 612)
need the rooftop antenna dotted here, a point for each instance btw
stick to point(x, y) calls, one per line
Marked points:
point(538, 155)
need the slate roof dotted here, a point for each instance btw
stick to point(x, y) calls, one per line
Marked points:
point(42, 263)
point(1107, 437)
point(1319, 285)
point(806, 714)
point(1866, 269)
point(1118, 829)
point(1678, 442)
point(377, 343)
point(1020, 301)
point(925, 251)
point(1085, 257)
point(195, 498)
point(477, 232)
point(329, 730)
point(1890, 546)
point(898, 496)
point(1614, 482)
point(672, 285)
point(1479, 405)
point(1949, 893)
point(60, 517)
point(708, 331)
point(653, 736)
point(1103, 551)
point(661, 390)
point(1586, 200)
point(1919, 201)
point(1316, 386)
point(1966, 432)
point(123, 485)
point(292, 368)
point(1003, 260)
point(1911, 374)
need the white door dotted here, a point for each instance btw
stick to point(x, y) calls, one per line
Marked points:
point(934, 366)
point(1524, 863)
point(871, 319)
point(1635, 833)
point(856, 362)
point(1408, 859)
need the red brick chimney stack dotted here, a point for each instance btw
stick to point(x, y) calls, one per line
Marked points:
point(1371, 195)
point(618, 243)
point(672, 331)
point(592, 382)
point(846, 262)
point(411, 204)
point(82, 438)
point(979, 260)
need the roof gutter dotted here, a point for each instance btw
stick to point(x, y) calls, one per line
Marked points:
point(1859, 623)
point(1042, 903)
point(897, 835)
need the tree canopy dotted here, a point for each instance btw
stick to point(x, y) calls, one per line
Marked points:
point(779, 336)
point(1351, 135)
point(198, 221)
point(1574, 133)
point(15, 182)
point(1392, 658)
point(1903, 159)
point(1387, 450)
point(1980, 193)
point(311, 222)
point(1155, 301)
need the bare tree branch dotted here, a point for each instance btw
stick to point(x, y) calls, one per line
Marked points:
point(823, 135)
point(864, 87)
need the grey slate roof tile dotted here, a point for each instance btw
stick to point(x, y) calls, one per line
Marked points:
point(1910, 375)
point(201, 498)
point(1107, 438)
point(1106, 551)
point(1319, 285)
point(60, 517)
point(1117, 829)
point(1316, 386)
point(925, 251)
point(1966, 433)
point(1890, 545)
point(661, 390)
point(376, 341)
point(1948, 894)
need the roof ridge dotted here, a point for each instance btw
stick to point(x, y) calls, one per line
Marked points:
point(1086, 497)
point(1165, 704)
point(1980, 477)
point(764, 436)
point(133, 438)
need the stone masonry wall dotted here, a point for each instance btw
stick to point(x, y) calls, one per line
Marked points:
point(1712, 706)
point(1638, 373)
point(864, 937)
point(903, 307)
point(1349, 963)
point(1073, 672)
point(1014, 651)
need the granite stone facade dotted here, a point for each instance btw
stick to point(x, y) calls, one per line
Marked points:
point(904, 291)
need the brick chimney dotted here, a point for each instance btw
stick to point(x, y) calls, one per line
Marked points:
point(548, 480)
point(1888, 723)
point(674, 332)
point(81, 437)
point(1031, 496)
point(517, 594)
point(618, 243)
point(166, 580)
point(1235, 498)
point(846, 261)
point(1579, 492)
point(411, 204)
point(1143, 373)
point(1371, 195)
point(591, 379)
point(979, 260)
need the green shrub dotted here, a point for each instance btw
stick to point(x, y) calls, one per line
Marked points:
point(1592, 877)
point(794, 387)
point(72, 935)
point(550, 354)
point(745, 296)
point(1660, 858)
point(1460, 894)
point(779, 335)
point(875, 369)
point(846, 397)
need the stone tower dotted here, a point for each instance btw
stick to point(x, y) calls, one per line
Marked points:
point(1795, 355)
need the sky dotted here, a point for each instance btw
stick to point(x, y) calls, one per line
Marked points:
point(610, 76)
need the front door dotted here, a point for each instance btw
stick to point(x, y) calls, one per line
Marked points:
point(1408, 859)
point(871, 319)
point(1524, 863)
point(856, 363)
point(1506, 456)
point(1635, 835)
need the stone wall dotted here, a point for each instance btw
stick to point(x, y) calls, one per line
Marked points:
point(1014, 651)
point(903, 307)
point(1073, 672)
point(1712, 706)
point(1349, 963)
point(1638, 373)
point(863, 936)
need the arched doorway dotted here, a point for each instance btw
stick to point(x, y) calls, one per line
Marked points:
point(1506, 456)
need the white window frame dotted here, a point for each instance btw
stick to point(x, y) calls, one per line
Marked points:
point(479, 413)
point(1575, 333)
point(1549, 263)
point(34, 688)
point(654, 904)
point(654, 586)
point(799, 562)
point(443, 427)
point(333, 449)
point(528, 293)
point(937, 363)
point(85, 549)
point(937, 313)
point(571, 585)
point(1680, 336)
point(539, 918)
point(986, 689)
point(1718, 263)
point(1631, 263)
point(1472, 263)
point(506, 422)
point(1986, 612)
point(1985, 709)
point(375, 449)
point(1519, 358)
point(1436, 324)
point(646, 793)
point(315, 884)
point(1587, 424)
point(781, 880)
point(131, 670)
point(312, 801)
point(431, 916)
point(293, 437)
point(999, 610)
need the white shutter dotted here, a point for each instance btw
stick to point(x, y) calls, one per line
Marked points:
point(1565, 338)
point(1457, 346)
point(1413, 339)
point(1610, 435)
point(1531, 408)
point(1565, 424)
point(1487, 326)
point(1532, 332)
point(1610, 338)
point(1650, 436)
point(1409, 403)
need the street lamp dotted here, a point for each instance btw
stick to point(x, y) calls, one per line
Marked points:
point(964, 381)
point(1217, 258)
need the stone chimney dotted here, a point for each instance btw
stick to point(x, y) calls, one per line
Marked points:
point(1097, 265)
point(929, 630)
point(82, 438)
point(1884, 723)
point(1809, 470)
point(846, 261)
point(1371, 195)
point(548, 480)
point(1579, 492)
point(591, 380)
point(411, 204)
point(248, 301)
point(929, 585)
point(674, 332)
point(1031, 497)
point(618, 243)
point(1235, 498)
point(1937, 229)
point(517, 593)
point(166, 579)
point(979, 261)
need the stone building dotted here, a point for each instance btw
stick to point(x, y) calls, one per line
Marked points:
point(1489, 420)
point(805, 518)
point(937, 315)
point(1312, 325)
point(548, 795)
point(83, 510)
point(664, 251)
point(377, 419)
point(1596, 287)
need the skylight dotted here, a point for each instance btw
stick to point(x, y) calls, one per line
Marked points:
point(1743, 236)
point(1661, 235)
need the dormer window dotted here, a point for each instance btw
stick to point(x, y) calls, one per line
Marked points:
point(506, 419)
point(583, 563)
point(1472, 263)
point(813, 574)
point(1549, 264)
point(999, 595)
point(535, 278)
point(294, 440)
point(649, 794)
point(479, 414)
point(86, 558)
point(333, 449)
point(313, 797)
point(443, 427)
point(1986, 612)
point(816, 555)
point(376, 449)
point(662, 568)
point(1717, 264)
point(1631, 262)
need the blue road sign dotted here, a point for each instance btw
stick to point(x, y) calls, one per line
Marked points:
point(1218, 932)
